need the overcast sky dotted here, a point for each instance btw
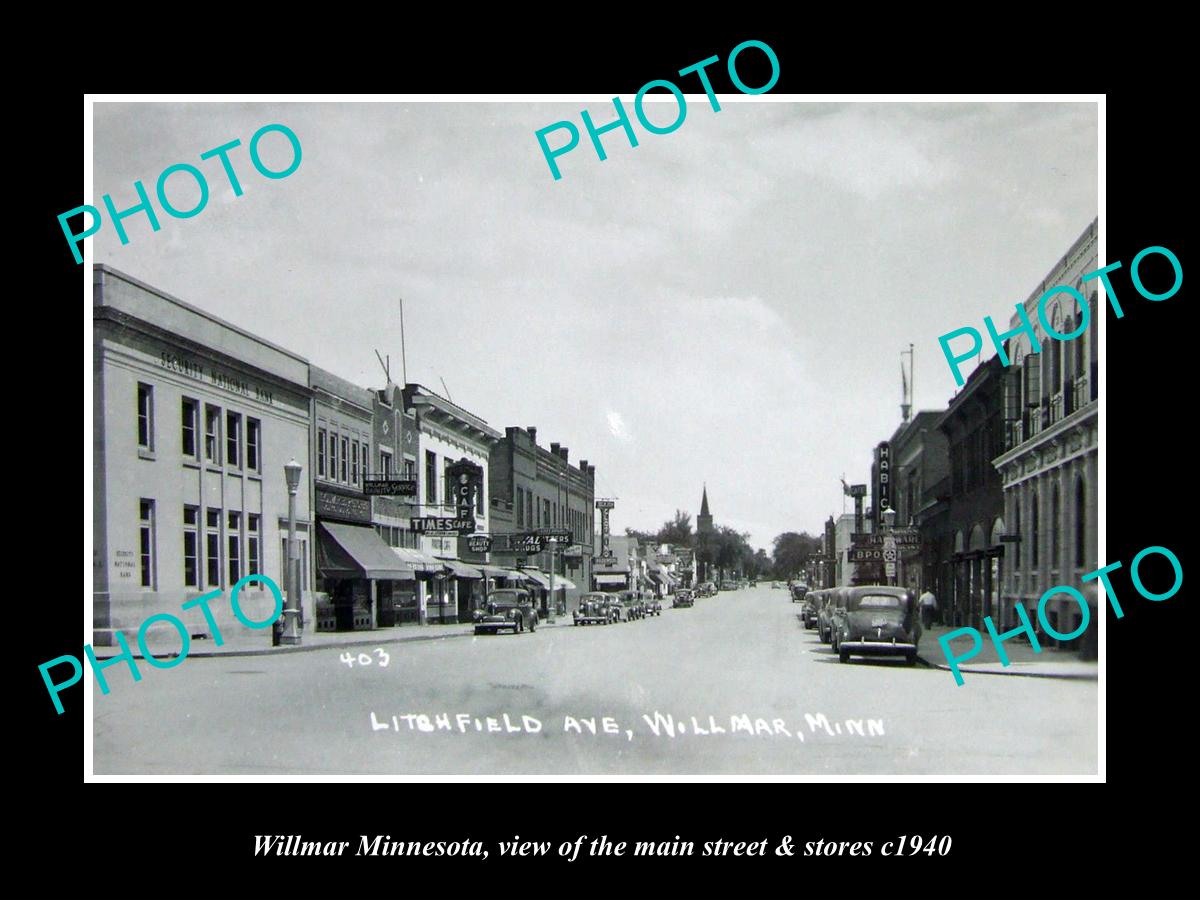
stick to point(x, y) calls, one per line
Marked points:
point(723, 304)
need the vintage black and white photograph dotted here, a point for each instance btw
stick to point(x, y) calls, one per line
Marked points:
point(686, 434)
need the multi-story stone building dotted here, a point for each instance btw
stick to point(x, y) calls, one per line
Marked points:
point(1047, 461)
point(447, 434)
point(194, 420)
point(534, 488)
point(969, 551)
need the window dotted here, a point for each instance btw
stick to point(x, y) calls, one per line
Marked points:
point(233, 437)
point(1080, 524)
point(345, 459)
point(1034, 534)
point(145, 409)
point(354, 462)
point(212, 539)
point(529, 509)
point(191, 545)
point(1017, 545)
point(212, 434)
point(449, 488)
point(479, 496)
point(253, 442)
point(189, 414)
point(520, 508)
point(1055, 530)
point(253, 564)
point(333, 456)
point(545, 512)
point(430, 477)
point(146, 529)
point(234, 533)
point(385, 463)
point(321, 452)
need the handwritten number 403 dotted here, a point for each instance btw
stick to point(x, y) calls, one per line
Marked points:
point(364, 659)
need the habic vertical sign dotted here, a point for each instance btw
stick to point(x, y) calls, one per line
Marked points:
point(604, 506)
point(883, 480)
point(466, 478)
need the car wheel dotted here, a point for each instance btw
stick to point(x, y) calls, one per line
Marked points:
point(479, 631)
point(520, 626)
point(910, 658)
point(844, 655)
point(533, 623)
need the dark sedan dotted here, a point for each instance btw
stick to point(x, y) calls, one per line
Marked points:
point(507, 610)
point(877, 620)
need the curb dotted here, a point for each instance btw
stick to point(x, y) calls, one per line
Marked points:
point(967, 670)
point(304, 648)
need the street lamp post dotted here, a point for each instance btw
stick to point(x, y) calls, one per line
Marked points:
point(291, 613)
point(889, 545)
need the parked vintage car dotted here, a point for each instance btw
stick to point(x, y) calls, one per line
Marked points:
point(653, 605)
point(876, 620)
point(798, 592)
point(632, 606)
point(507, 608)
point(682, 599)
point(808, 612)
point(706, 589)
point(595, 608)
point(825, 614)
point(729, 585)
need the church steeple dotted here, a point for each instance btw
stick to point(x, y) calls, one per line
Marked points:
point(704, 520)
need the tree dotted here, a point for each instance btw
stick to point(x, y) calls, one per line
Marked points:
point(678, 531)
point(791, 551)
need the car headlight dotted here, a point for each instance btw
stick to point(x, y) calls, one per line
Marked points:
point(510, 614)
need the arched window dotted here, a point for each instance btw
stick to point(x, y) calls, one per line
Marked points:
point(1034, 534)
point(1080, 523)
point(1093, 346)
point(1055, 530)
point(1017, 531)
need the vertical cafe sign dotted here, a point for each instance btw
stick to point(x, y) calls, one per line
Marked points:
point(604, 506)
point(883, 479)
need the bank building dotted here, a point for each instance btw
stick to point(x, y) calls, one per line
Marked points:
point(194, 421)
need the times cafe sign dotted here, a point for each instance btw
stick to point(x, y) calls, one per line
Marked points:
point(883, 479)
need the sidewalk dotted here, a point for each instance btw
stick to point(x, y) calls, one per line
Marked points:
point(311, 640)
point(1023, 660)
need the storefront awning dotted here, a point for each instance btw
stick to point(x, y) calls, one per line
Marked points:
point(609, 578)
point(498, 572)
point(355, 551)
point(660, 577)
point(535, 576)
point(416, 561)
point(563, 582)
point(460, 570)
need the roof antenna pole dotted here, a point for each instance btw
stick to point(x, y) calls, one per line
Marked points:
point(403, 351)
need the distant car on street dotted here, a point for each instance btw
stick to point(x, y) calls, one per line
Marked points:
point(682, 599)
point(595, 608)
point(808, 612)
point(877, 620)
point(507, 609)
point(798, 592)
point(653, 605)
point(632, 606)
point(706, 589)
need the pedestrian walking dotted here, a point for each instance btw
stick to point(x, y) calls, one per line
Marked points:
point(928, 604)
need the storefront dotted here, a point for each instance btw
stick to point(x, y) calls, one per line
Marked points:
point(354, 562)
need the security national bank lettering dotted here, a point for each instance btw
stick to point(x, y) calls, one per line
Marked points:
point(623, 116)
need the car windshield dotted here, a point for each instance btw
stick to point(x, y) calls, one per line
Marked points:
point(878, 600)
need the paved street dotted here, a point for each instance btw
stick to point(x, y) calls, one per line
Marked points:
point(739, 654)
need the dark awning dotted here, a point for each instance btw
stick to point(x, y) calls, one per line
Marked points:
point(458, 569)
point(355, 551)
